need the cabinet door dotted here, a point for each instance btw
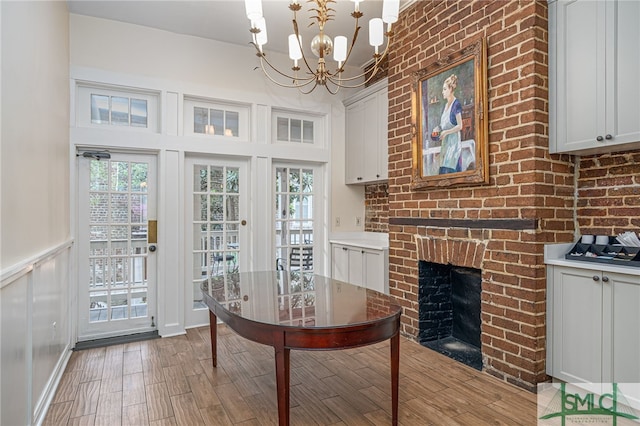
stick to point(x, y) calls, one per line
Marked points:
point(383, 134)
point(373, 274)
point(340, 262)
point(580, 73)
point(371, 146)
point(354, 161)
point(623, 58)
point(621, 328)
point(356, 266)
point(577, 325)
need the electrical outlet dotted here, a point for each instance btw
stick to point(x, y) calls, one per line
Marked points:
point(337, 221)
point(358, 221)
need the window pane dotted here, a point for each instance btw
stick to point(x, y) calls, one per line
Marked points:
point(99, 176)
point(233, 208)
point(200, 207)
point(280, 179)
point(216, 119)
point(99, 109)
point(217, 208)
point(307, 180)
point(232, 180)
point(138, 113)
point(200, 177)
point(200, 119)
point(217, 179)
point(119, 111)
point(307, 131)
point(296, 130)
point(139, 177)
point(294, 180)
point(283, 129)
point(233, 124)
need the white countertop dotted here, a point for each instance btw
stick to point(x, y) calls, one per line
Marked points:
point(554, 255)
point(370, 240)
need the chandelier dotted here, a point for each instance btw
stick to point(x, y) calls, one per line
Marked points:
point(306, 75)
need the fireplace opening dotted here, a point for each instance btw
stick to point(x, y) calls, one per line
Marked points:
point(449, 311)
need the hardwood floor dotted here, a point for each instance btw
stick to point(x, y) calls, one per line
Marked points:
point(171, 381)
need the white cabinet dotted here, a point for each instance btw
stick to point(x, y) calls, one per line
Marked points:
point(366, 147)
point(594, 318)
point(361, 266)
point(594, 69)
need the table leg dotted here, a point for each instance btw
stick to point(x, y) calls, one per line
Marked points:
point(282, 382)
point(213, 327)
point(395, 377)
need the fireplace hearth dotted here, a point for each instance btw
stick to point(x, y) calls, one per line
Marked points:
point(449, 311)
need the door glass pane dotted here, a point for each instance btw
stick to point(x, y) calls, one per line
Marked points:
point(294, 219)
point(118, 215)
point(200, 179)
point(216, 248)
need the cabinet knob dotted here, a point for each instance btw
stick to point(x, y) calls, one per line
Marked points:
point(344, 248)
point(605, 279)
point(608, 137)
point(599, 138)
point(596, 278)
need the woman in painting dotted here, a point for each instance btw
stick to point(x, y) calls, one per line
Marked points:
point(449, 129)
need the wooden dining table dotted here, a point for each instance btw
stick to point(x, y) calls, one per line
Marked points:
point(302, 311)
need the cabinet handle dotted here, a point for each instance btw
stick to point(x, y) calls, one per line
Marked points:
point(608, 137)
point(596, 278)
point(599, 138)
point(605, 279)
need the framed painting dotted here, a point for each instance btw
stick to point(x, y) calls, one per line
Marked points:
point(449, 121)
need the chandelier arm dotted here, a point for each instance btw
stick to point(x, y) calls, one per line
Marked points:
point(297, 33)
point(338, 81)
point(289, 86)
point(264, 59)
point(356, 30)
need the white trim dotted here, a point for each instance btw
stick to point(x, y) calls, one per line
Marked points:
point(42, 406)
point(12, 273)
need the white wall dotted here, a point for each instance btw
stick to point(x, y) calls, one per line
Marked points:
point(34, 205)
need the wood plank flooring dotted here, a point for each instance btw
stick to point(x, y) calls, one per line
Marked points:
point(171, 381)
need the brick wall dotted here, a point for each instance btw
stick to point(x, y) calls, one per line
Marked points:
point(609, 193)
point(529, 200)
point(376, 208)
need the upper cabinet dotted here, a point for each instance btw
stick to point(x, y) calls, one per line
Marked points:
point(366, 136)
point(594, 76)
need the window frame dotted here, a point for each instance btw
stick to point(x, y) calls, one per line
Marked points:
point(318, 127)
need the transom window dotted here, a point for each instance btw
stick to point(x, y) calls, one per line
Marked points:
point(117, 107)
point(216, 119)
point(296, 128)
point(118, 111)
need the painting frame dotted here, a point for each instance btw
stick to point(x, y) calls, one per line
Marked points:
point(465, 159)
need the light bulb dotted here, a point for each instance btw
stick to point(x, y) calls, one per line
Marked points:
point(340, 49)
point(390, 10)
point(261, 37)
point(375, 32)
point(254, 9)
point(294, 47)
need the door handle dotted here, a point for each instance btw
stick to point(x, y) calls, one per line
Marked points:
point(152, 248)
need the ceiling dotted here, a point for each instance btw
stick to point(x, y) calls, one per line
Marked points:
point(225, 20)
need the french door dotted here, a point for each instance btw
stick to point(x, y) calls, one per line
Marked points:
point(217, 229)
point(116, 245)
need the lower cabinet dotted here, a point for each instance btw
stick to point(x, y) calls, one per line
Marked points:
point(594, 325)
point(361, 266)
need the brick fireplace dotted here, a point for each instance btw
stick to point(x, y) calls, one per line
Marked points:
point(530, 200)
point(499, 228)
